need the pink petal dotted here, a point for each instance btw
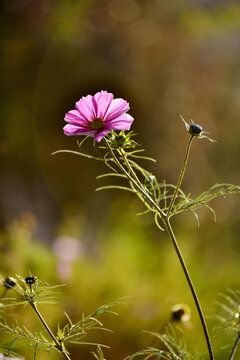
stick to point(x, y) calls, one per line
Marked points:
point(86, 108)
point(74, 117)
point(74, 114)
point(99, 135)
point(103, 99)
point(70, 129)
point(116, 108)
point(123, 122)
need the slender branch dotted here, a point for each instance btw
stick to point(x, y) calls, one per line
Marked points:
point(57, 343)
point(140, 188)
point(130, 168)
point(178, 251)
point(165, 217)
point(180, 176)
point(234, 349)
point(45, 324)
point(190, 284)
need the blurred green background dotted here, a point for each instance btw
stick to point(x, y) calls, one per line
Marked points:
point(166, 58)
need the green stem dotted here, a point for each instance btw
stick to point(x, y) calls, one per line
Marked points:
point(234, 349)
point(190, 284)
point(140, 188)
point(130, 168)
point(57, 344)
point(178, 251)
point(168, 227)
point(180, 176)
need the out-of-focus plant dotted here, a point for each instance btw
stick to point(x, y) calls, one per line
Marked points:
point(173, 341)
point(175, 344)
point(99, 116)
point(229, 316)
point(34, 292)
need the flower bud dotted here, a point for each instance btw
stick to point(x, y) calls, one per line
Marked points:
point(9, 282)
point(195, 129)
point(122, 140)
point(180, 313)
point(30, 280)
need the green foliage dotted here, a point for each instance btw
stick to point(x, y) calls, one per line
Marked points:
point(78, 153)
point(20, 333)
point(175, 347)
point(73, 333)
point(145, 185)
point(38, 293)
point(217, 190)
point(99, 354)
point(32, 291)
point(229, 316)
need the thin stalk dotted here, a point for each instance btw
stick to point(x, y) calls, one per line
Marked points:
point(130, 168)
point(234, 349)
point(190, 284)
point(165, 217)
point(180, 176)
point(58, 345)
point(140, 188)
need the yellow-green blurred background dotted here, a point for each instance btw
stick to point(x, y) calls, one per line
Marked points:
point(166, 57)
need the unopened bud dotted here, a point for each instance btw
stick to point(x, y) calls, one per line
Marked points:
point(9, 282)
point(195, 129)
point(30, 280)
point(180, 313)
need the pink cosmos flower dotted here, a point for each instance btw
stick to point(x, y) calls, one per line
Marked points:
point(97, 115)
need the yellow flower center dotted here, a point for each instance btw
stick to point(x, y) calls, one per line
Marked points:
point(96, 124)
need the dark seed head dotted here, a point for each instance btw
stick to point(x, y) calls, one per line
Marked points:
point(195, 129)
point(177, 315)
point(30, 280)
point(9, 282)
point(180, 313)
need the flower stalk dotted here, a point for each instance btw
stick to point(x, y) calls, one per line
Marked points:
point(165, 218)
point(191, 286)
point(234, 349)
point(184, 165)
point(178, 251)
point(58, 345)
point(131, 171)
point(131, 179)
